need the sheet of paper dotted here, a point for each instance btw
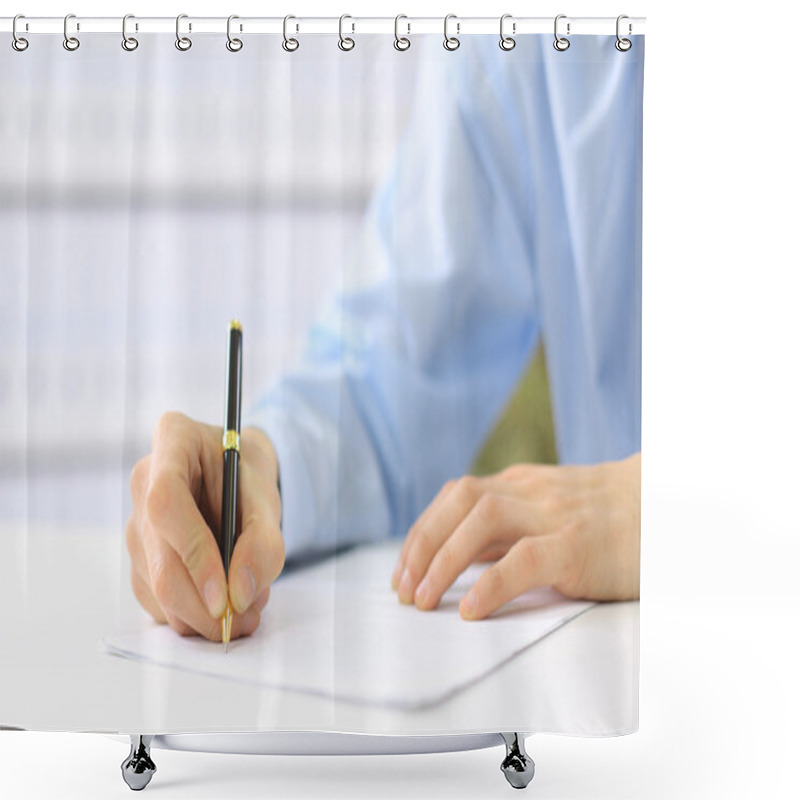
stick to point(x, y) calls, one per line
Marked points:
point(337, 629)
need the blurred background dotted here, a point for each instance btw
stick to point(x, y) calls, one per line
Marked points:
point(141, 209)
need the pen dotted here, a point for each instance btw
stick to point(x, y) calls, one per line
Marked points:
point(230, 455)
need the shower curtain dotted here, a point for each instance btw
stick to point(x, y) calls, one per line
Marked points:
point(434, 255)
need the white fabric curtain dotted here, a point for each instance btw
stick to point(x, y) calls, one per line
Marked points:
point(397, 233)
point(131, 184)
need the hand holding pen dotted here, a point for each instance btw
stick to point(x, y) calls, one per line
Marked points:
point(174, 533)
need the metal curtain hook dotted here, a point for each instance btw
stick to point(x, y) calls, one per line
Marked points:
point(289, 45)
point(451, 42)
point(401, 43)
point(507, 42)
point(346, 43)
point(561, 43)
point(18, 43)
point(70, 42)
point(234, 45)
point(623, 45)
point(128, 42)
point(181, 42)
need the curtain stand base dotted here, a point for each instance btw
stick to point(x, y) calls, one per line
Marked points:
point(138, 768)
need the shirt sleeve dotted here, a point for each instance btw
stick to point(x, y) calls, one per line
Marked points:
point(411, 364)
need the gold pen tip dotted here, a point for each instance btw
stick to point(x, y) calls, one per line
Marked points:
point(234, 325)
point(227, 620)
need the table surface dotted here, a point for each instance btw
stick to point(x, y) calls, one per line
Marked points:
point(62, 590)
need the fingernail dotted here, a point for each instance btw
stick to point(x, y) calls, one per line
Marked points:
point(469, 603)
point(214, 597)
point(421, 595)
point(245, 589)
point(404, 591)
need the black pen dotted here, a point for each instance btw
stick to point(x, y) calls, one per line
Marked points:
point(230, 455)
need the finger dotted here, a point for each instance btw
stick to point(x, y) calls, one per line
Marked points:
point(421, 521)
point(173, 516)
point(142, 592)
point(140, 579)
point(259, 553)
point(174, 590)
point(494, 517)
point(246, 624)
point(492, 553)
point(138, 485)
point(262, 599)
point(498, 483)
point(138, 480)
point(133, 542)
point(429, 534)
point(532, 561)
point(241, 625)
point(257, 449)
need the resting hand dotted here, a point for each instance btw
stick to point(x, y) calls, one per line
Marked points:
point(176, 566)
point(576, 528)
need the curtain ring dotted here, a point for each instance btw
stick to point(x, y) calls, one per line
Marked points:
point(561, 43)
point(234, 45)
point(70, 42)
point(18, 43)
point(451, 42)
point(181, 42)
point(401, 43)
point(507, 42)
point(128, 42)
point(346, 43)
point(623, 45)
point(289, 45)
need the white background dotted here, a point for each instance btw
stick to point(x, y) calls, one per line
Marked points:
point(719, 702)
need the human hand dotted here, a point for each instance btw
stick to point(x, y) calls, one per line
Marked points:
point(576, 528)
point(176, 567)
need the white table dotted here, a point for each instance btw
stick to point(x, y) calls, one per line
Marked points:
point(63, 589)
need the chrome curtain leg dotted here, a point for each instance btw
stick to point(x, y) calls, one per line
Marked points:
point(517, 766)
point(138, 767)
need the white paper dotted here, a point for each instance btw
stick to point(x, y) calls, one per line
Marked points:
point(337, 629)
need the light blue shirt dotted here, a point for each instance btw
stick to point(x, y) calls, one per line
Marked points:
point(512, 213)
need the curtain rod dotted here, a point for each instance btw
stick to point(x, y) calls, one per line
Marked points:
point(327, 25)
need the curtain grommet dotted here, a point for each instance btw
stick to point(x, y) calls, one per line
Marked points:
point(289, 44)
point(561, 43)
point(507, 42)
point(19, 43)
point(183, 43)
point(401, 43)
point(128, 42)
point(70, 43)
point(451, 43)
point(623, 45)
point(346, 43)
point(233, 44)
